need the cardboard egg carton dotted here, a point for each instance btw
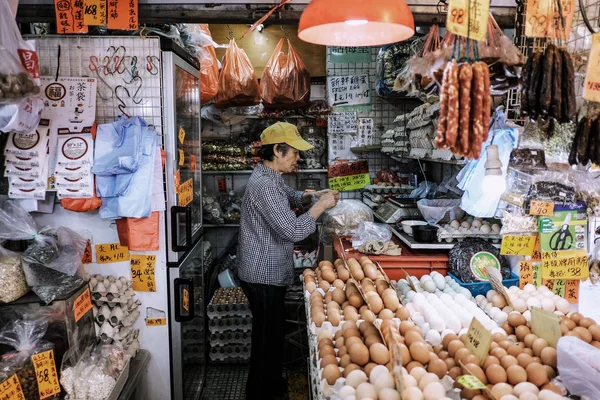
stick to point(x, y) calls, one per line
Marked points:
point(219, 325)
point(228, 302)
point(230, 338)
point(231, 353)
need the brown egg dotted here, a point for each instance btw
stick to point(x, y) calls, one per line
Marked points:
point(495, 374)
point(498, 352)
point(455, 372)
point(326, 350)
point(462, 337)
point(405, 353)
point(583, 333)
point(325, 341)
point(318, 318)
point(443, 355)
point(552, 387)
point(453, 346)
point(328, 275)
point(493, 345)
point(413, 336)
point(501, 389)
point(345, 361)
point(386, 314)
point(536, 360)
point(516, 349)
point(368, 315)
point(489, 360)
point(522, 331)
point(379, 353)
point(471, 359)
point(529, 339)
point(505, 344)
point(477, 371)
point(339, 284)
point(536, 374)
point(448, 338)
point(569, 323)
point(551, 372)
point(548, 356)
point(507, 328)
point(343, 273)
point(461, 354)
point(349, 332)
point(438, 367)
point(516, 374)
point(323, 284)
point(342, 351)
point(563, 329)
point(470, 394)
point(507, 361)
point(450, 363)
point(339, 332)
point(350, 368)
point(498, 337)
point(350, 314)
point(412, 365)
point(596, 344)
point(371, 340)
point(359, 354)
point(573, 333)
point(404, 327)
point(329, 359)
point(351, 341)
point(538, 345)
point(576, 317)
point(339, 342)
point(586, 322)
point(369, 367)
point(355, 300)
point(524, 359)
point(516, 319)
point(402, 313)
point(331, 373)
point(419, 352)
point(338, 296)
point(595, 331)
point(528, 351)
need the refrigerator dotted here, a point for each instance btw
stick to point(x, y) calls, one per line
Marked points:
point(183, 177)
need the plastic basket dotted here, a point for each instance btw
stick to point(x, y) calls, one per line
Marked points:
point(477, 288)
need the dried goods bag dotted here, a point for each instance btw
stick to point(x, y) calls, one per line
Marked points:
point(344, 219)
point(285, 82)
point(238, 85)
point(12, 279)
point(209, 65)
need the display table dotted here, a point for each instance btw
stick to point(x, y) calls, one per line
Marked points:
point(414, 262)
point(137, 370)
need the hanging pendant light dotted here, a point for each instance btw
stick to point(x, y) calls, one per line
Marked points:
point(356, 22)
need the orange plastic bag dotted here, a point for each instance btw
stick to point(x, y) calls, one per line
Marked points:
point(82, 205)
point(238, 86)
point(285, 81)
point(209, 67)
point(139, 234)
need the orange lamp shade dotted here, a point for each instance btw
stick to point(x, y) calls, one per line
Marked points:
point(356, 22)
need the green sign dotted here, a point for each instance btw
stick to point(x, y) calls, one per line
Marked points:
point(352, 182)
point(343, 55)
point(480, 261)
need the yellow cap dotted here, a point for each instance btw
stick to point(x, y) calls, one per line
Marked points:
point(283, 132)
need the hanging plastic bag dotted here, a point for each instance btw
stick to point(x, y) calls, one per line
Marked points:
point(344, 219)
point(371, 231)
point(82, 204)
point(12, 279)
point(579, 367)
point(139, 234)
point(285, 82)
point(238, 86)
point(17, 224)
point(209, 65)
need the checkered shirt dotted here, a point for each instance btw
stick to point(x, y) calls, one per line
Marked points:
point(269, 228)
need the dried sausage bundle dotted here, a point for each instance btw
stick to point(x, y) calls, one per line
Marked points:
point(548, 85)
point(465, 108)
point(586, 144)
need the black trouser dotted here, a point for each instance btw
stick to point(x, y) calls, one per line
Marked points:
point(267, 303)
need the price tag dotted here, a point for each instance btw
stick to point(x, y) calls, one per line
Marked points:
point(94, 12)
point(478, 340)
point(156, 321)
point(572, 291)
point(186, 299)
point(45, 373)
point(177, 180)
point(186, 193)
point(537, 254)
point(111, 253)
point(82, 304)
point(559, 288)
point(352, 182)
point(471, 382)
point(123, 14)
point(69, 17)
point(548, 283)
point(546, 325)
point(11, 389)
point(142, 272)
point(193, 161)
point(569, 264)
point(542, 18)
point(181, 157)
point(468, 22)
point(544, 208)
point(525, 273)
point(591, 88)
point(181, 134)
point(495, 278)
point(516, 245)
point(87, 254)
point(536, 273)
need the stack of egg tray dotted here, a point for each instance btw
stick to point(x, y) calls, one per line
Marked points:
point(230, 326)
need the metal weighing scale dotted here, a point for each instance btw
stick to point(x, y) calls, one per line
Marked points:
point(393, 211)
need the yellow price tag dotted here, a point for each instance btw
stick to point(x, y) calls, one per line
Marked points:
point(478, 340)
point(569, 264)
point(156, 321)
point(468, 22)
point(181, 157)
point(536, 273)
point(111, 253)
point(186, 192)
point(94, 12)
point(471, 382)
point(181, 134)
point(142, 272)
point(525, 273)
point(546, 325)
point(351, 182)
point(45, 373)
point(542, 19)
point(591, 87)
point(82, 304)
point(544, 208)
point(11, 389)
point(515, 245)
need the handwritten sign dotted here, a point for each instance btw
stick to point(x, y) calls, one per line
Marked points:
point(181, 134)
point(471, 382)
point(193, 163)
point(340, 145)
point(342, 122)
point(545, 208)
point(156, 321)
point(69, 17)
point(549, 283)
point(542, 18)
point(45, 373)
point(181, 157)
point(471, 22)
point(348, 90)
point(123, 14)
point(186, 193)
point(111, 253)
point(87, 254)
point(569, 264)
point(525, 273)
point(142, 272)
point(559, 287)
point(346, 183)
point(572, 291)
point(11, 389)
point(344, 55)
point(82, 304)
point(536, 273)
point(478, 340)
point(365, 132)
point(517, 245)
point(591, 87)
point(186, 300)
point(546, 325)
point(347, 169)
point(94, 12)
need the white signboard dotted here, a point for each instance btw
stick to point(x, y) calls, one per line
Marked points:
point(339, 146)
point(70, 103)
point(348, 90)
point(342, 122)
point(365, 131)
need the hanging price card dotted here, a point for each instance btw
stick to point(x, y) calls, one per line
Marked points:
point(69, 17)
point(186, 193)
point(123, 14)
point(87, 254)
point(515, 245)
point(546, 325)
point(478, 340)
point(545, 208)
point(591, 88)
point(471, 382)
point(525, 273)
point(111, 253)
point(11, 389)
point(468, 22)
point(94, 12)
point(45, 373)
point(549, 283)
point(181, 157)
point(569, 264)
point(181, 134)
point(396, 356)
point(142, 272)
point(572, 291)
point(193, 161)
point(542, 18)
point(559, 288)
point(156, 321)
point(536, 273)
point(82, 304)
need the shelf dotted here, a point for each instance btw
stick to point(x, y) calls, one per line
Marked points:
point(398, 99)
point(410, 242)
point(366, 149)
point(221, 225)
point(249, 171)
point(435, 160)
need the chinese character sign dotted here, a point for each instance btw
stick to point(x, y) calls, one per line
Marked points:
point(123, 14)
point(591, 88)
point(69, 16)
point(94, 12)
point(142, 272)
point(341, 122)
point(468, 18)
point(342, 54)
point(111, 253)
point(45, 373)
point(348, 90)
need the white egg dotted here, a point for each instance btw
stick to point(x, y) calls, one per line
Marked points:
point(488, 307)
point(376, 371)
point(455, 224)
point(498, 330)
point(434, 391)
point(409, 380)
point(439, 281)
point(547, 394)
point(490, 294)
point(527, 315)
point(476, 223)
point(563, 306)
point(534, 302)
point(501, 317)
point(529, 288)
point(433, 338)
point(356, 377)
point(507, 309)
point(485, 229)
point(384, 381)
point(412, 393)
point(346, 391)
point(525, 387)
point(388, 394)
point(520, 305)
point(365, 391)
point(542, 289)
point(350, 398)
point(465, 225)
point(429, 286)
point(547, 304)
point(496, 228)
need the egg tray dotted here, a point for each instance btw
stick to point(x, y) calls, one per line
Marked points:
point(240, 312)
point(230, 353)
point(218, 325)
point(449, 237)
point(194, 349)
point(231, 339)
point(192, 336)
point(235, 293)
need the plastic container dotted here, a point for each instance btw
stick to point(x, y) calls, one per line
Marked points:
point(482, 288)
point(408, 225)
point(425, 233)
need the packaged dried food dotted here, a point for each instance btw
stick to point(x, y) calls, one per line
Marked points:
point(465, 266)
point(12, 279)
point(344, 219)
point(238, 85)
